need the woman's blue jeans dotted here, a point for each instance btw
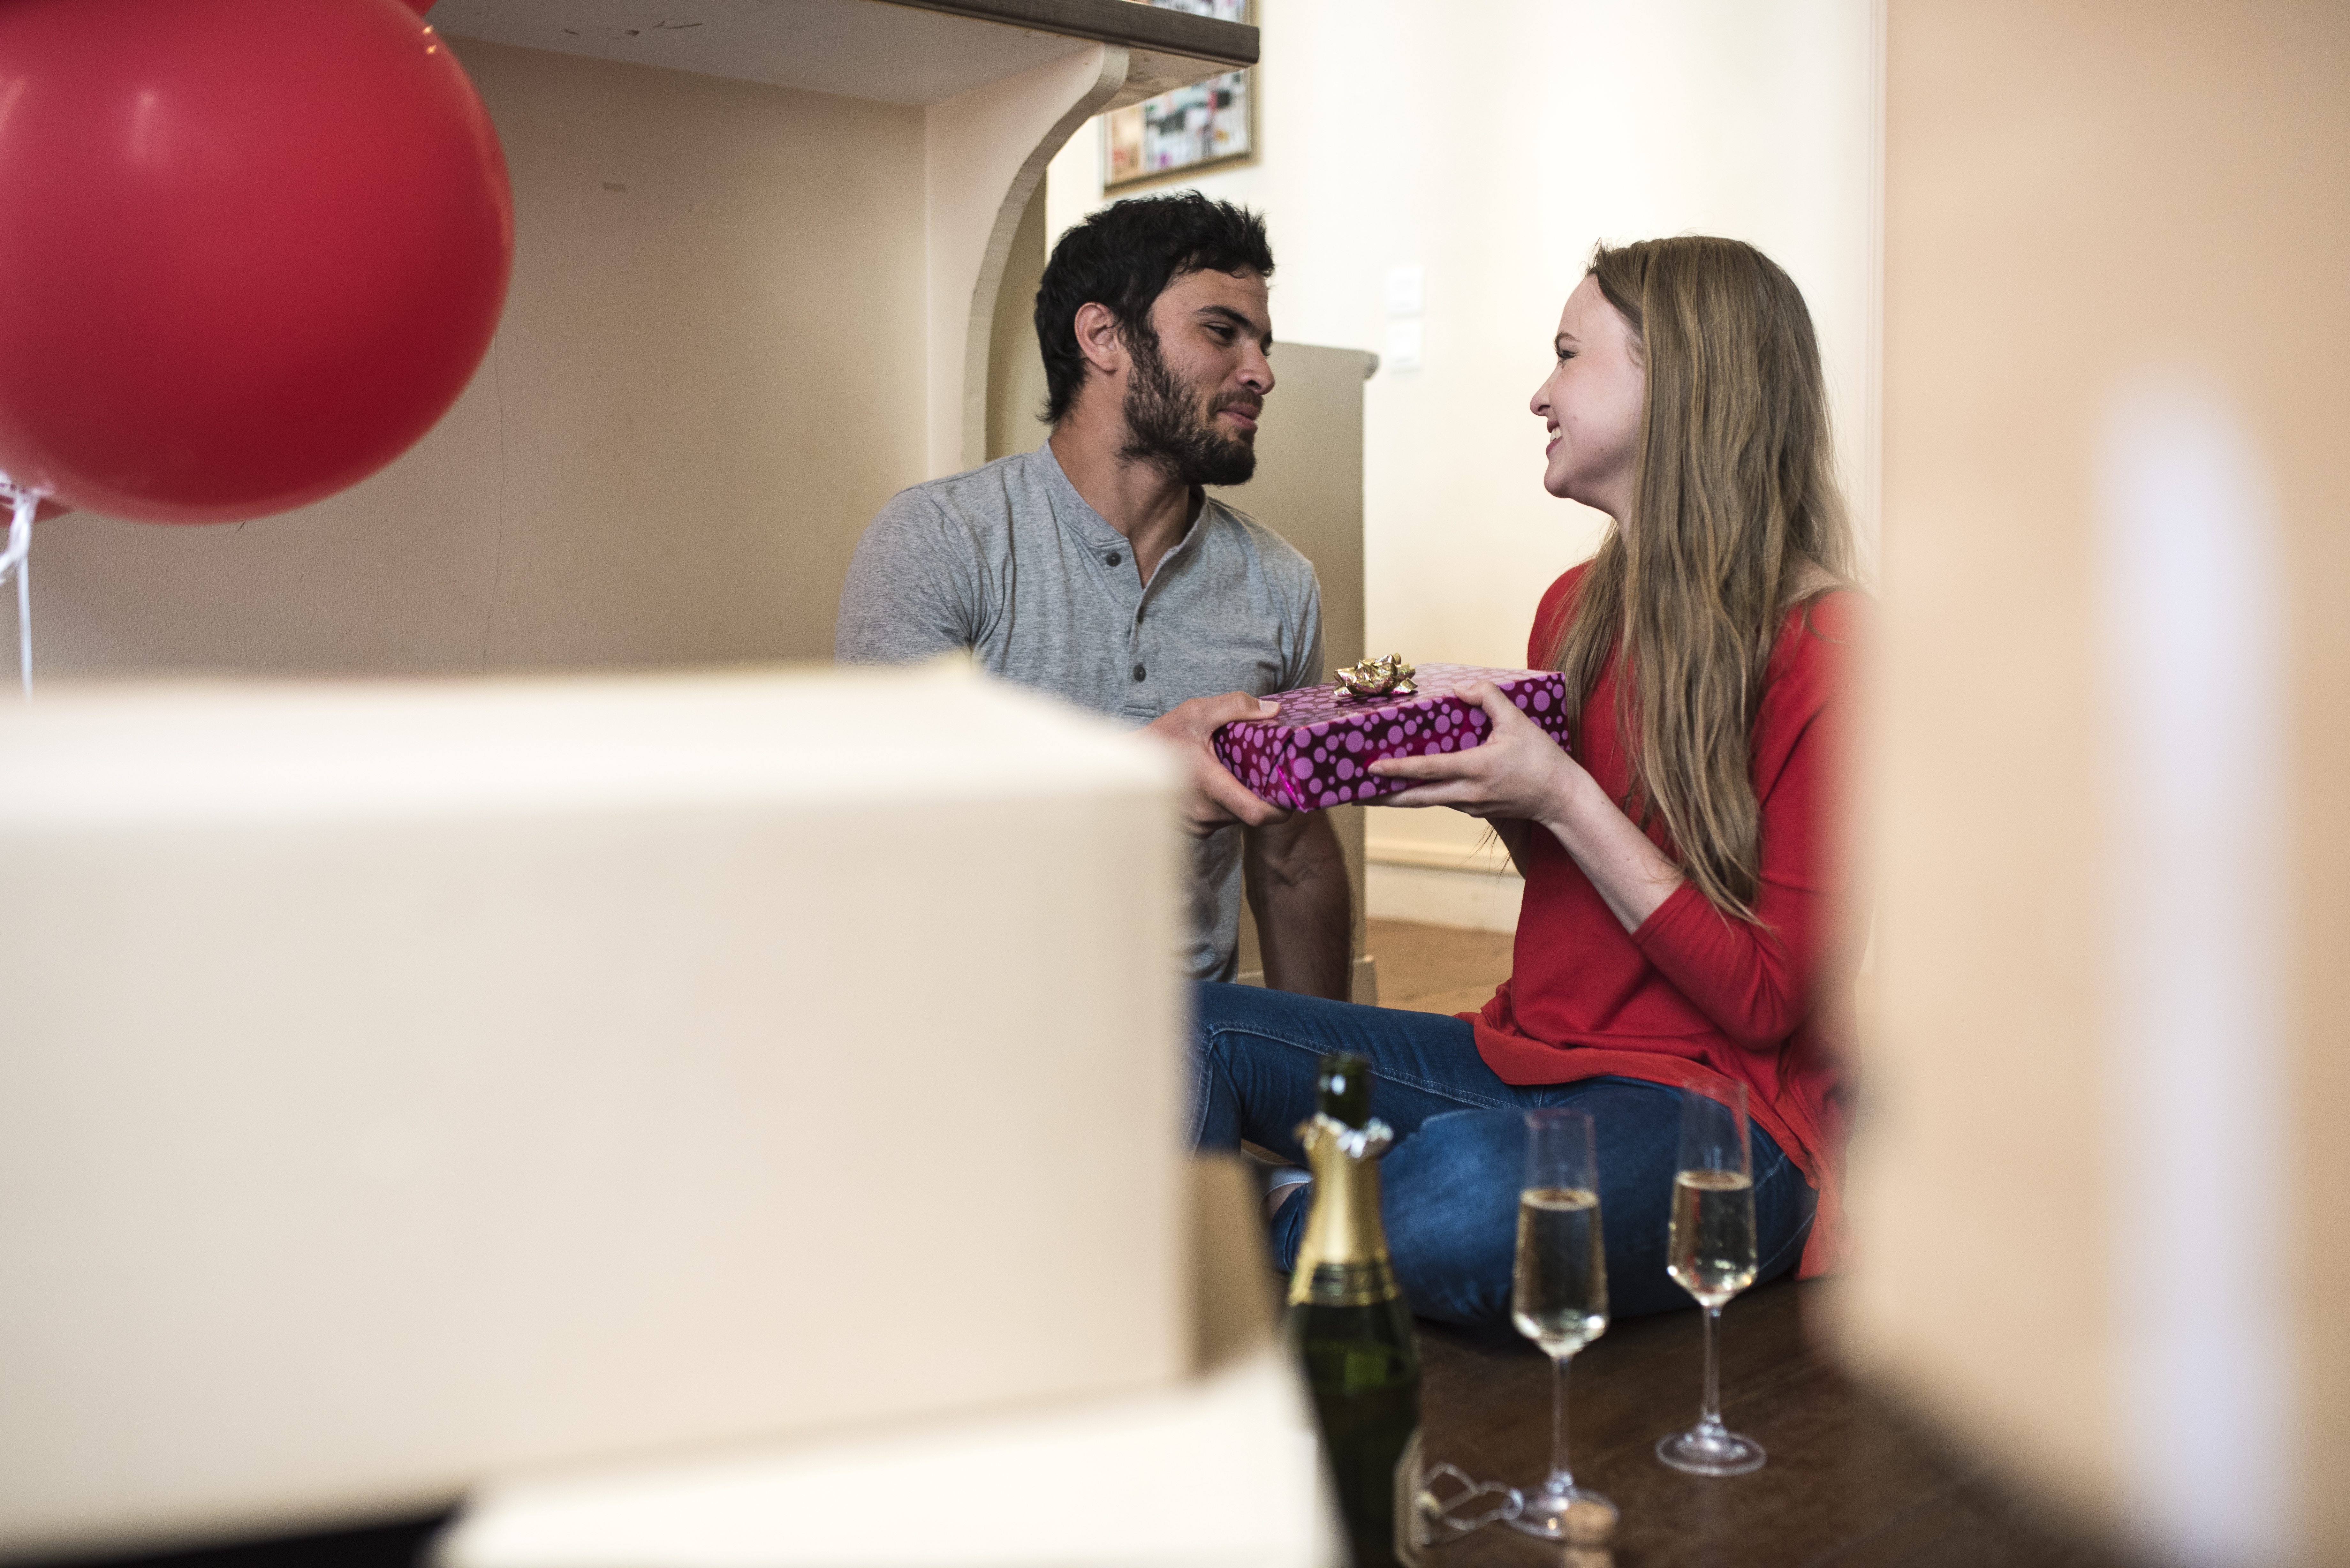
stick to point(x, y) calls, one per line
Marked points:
point(1449, 1186)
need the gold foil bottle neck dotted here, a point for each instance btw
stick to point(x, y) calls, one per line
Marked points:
point(1342, 1259)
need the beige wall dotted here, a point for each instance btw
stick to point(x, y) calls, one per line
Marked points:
point(2107, 1094)
point(1493, 155)
point(708, 376)
point(1015, 370)
point(985, 154)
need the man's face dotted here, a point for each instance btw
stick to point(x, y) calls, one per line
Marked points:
point(1192, 400)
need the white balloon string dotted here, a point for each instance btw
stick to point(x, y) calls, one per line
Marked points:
point(17, 559)
point(24, 599)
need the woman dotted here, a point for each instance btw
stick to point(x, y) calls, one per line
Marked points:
point(1680, 917)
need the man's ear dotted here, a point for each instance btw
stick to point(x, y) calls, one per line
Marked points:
point(1099, 339)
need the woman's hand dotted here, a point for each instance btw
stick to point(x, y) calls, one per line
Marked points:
point(1517, 772)
point(1520, 772)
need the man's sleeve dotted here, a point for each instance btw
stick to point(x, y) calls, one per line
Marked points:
point(913, 587)
point(1305, 656)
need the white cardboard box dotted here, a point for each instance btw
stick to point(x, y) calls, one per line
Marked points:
point(405, 1083)
point(1220, 1470)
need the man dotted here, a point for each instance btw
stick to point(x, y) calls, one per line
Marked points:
point(1097, 568)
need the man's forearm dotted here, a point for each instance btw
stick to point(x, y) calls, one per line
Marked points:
point(1305, 911)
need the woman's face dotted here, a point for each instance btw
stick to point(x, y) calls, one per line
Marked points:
point(1591, 401)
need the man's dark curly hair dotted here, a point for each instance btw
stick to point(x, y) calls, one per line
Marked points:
point(1124, 256)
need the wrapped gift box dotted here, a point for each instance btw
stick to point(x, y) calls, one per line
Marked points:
point(1317, 752)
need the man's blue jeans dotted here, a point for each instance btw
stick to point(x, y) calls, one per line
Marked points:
point(1449, 1187)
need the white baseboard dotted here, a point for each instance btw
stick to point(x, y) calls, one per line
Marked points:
point(1467, 900)
point(1453, 854)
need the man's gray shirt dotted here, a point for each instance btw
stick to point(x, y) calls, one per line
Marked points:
point(1009, 562)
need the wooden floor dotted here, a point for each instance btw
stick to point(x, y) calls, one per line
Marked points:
point(1434, 968)
point(1851, 1482)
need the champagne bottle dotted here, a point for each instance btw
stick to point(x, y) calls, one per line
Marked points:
point(1351, 1326)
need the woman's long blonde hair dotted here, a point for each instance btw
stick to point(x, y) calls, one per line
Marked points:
point(1733, 503)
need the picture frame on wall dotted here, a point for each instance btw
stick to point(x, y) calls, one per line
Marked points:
point(1199, 127)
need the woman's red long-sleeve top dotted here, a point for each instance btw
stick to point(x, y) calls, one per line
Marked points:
point(1693, 994)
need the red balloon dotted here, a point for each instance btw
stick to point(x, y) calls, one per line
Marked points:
point(250, 250)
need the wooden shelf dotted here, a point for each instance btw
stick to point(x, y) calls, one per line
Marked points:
point(914, 52)
point(1228, 44)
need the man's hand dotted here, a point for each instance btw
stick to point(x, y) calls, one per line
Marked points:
point(1212, 797)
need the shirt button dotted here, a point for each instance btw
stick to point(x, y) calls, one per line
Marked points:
point(1113, 559)
point(1137, 672)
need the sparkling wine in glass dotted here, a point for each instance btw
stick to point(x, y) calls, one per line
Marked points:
point(1711, 1254)
point(1558, 1295)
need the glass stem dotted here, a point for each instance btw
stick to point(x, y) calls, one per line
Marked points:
point(1560, 1478)
point(1709, 1416)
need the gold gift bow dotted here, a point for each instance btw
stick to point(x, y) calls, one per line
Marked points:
point(1388, 677)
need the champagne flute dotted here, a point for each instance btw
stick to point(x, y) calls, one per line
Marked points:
point(1710, 1255)
point(1558, 1295)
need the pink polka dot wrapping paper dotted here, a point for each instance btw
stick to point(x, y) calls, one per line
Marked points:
point(1315, 752)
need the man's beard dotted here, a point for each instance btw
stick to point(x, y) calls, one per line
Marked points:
point(1165, 427)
